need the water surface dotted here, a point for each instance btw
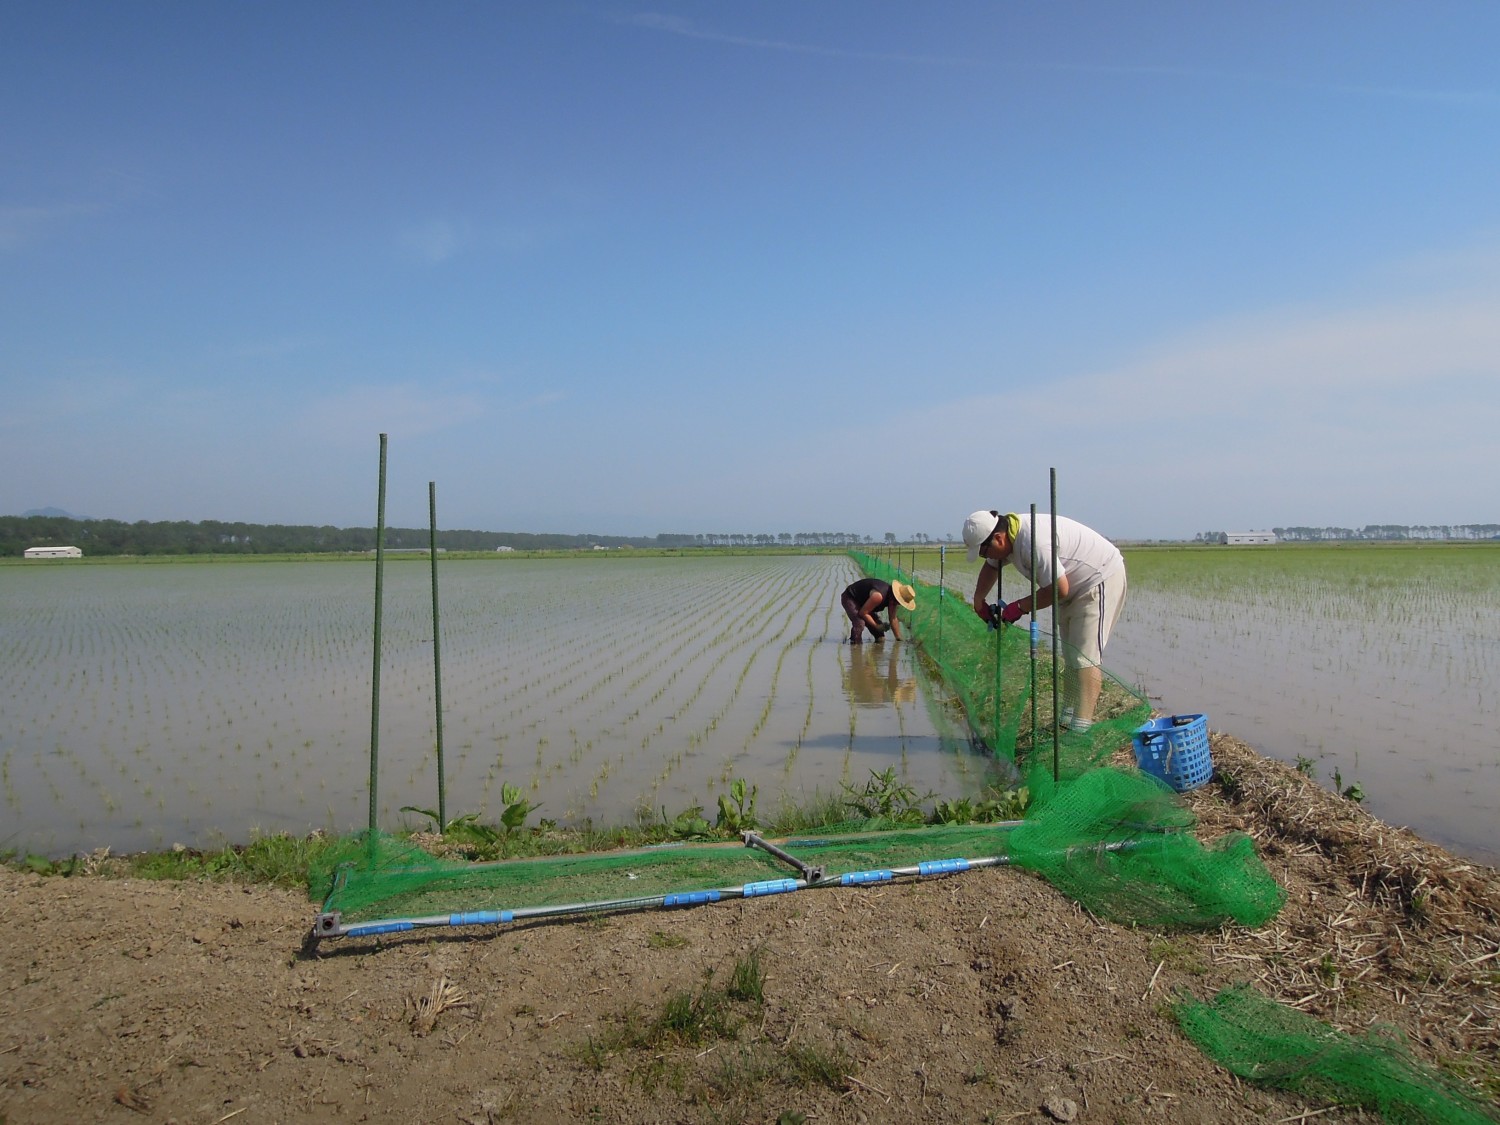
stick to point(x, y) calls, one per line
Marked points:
point(151, 704)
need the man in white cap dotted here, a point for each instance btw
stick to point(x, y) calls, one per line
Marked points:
point(1088, 591)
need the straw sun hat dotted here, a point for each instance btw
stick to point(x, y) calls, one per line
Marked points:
point(906, 597)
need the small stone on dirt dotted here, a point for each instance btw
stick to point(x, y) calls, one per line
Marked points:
point(1061, 1109)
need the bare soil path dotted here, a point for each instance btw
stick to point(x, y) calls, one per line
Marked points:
point(983, 997)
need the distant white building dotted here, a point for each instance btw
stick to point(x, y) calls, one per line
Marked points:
point(53, 553)
point(504, 548)
point(1244, 538)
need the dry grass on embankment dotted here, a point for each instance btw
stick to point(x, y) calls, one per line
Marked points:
point(1378, 920)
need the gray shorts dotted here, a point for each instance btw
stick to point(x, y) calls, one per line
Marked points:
point(1085, 622)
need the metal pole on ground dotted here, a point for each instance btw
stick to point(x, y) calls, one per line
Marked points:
point(1056, 710)
point(375, 673)
point(437, 656)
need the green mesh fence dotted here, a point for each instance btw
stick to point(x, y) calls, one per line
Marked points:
point(1117, 841)
point(1005, 687)
point(1274, 1045)
point(396, 877)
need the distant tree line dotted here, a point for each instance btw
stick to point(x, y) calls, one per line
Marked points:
point(1384, 531)
point(765, 539)
point(183, 537)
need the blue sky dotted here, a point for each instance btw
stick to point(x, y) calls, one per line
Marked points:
point(855, 266)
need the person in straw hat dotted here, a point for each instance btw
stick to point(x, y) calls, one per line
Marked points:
point(865, 599)
point(1088, 591)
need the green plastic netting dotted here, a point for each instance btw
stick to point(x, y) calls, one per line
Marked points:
point(1118, 841)
point(1274, 1045)
point(1164, 876)
point(396, 878)
point(1004, 687)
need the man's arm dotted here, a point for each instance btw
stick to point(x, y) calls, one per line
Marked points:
point(985, 582)
point(1045, 595)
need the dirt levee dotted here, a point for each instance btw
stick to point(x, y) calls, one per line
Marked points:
point(981, 996)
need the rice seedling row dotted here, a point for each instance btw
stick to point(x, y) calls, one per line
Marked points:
point(1369, 665)
point(142, 706)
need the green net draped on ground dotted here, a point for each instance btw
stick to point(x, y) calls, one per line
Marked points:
point(1117, 841)
point(1005, 691)
point(1274, 1045)
point(1160, 874)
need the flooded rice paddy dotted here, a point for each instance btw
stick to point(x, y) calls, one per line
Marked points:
point(1369, 666)
point(1376, 665)
point(145, 705)
point(153, 704)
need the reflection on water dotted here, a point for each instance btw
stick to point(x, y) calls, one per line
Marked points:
point(873, 675)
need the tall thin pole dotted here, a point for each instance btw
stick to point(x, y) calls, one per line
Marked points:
point(375, 674)
point(1056, 709)
point(999, 631)
point(942, 594)
point(1035, 626)
point(437, 655)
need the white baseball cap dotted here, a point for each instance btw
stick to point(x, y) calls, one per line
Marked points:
point(978, 528)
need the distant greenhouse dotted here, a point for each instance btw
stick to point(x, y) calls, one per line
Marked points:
point(1244, 538)
point(53, 553)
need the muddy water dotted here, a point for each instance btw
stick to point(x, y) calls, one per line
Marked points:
point(1411, 714)
point(147, 705)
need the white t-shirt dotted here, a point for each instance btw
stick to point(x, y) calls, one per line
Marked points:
point(1086, 557)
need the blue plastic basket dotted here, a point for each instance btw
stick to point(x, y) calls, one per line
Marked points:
point(1175, 749)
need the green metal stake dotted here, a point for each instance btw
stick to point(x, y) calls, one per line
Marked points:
point(375, 674)
point(942, 594)
point(1034, 627)
point(437, 656)
point(1056, 708)
point(999, 629)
